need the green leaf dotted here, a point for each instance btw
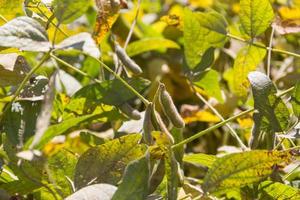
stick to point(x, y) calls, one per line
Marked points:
point(13, 69)
point(59, 129)
point(246, 61)
point(256, 16)
point(19, 121)
point(82, 42)
point(272, 113)
point(296, 100)
point(201, 32)
point(239, 169)
point(24, 33)
point(200, 159)
point(111, 92)
point(94, 192)
point(135, 182)
point(67, 11)
point(269, 190)
point(209, 82)
point(150, 44)
point(106, 163)
point(60, 167)
point(20, 187)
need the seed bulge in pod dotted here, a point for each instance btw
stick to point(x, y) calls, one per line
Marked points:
point(127, 61)
point(148, 126)
point(169, 107)
point(130, 111)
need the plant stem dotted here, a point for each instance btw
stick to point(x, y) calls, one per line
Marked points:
point(3, 18)
point(262, 46)
point(143, 99)
point(232, 131)
point(218, 125)
point(212, 128)
point(270, 52)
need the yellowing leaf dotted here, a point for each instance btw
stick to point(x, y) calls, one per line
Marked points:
point(107, 15)
point(202, 3)
point(239, 169)
point(256, 16)
point(201, 116)
point(246, 61)
point(289, 13)
point(10, 9)
point(245, 122)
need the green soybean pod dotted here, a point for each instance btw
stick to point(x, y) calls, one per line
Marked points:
point(148, 126)
point(127, 61)
point(130, 111)
point(169, 107)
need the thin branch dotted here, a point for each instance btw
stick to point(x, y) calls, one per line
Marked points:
point(232, 131)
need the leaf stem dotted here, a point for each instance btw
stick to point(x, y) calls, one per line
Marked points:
point(262, 46)
point(143, 99)
point(212, 128)
point(270, 52)
point(232, 131)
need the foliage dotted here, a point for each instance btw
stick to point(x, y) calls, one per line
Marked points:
point(108, 99)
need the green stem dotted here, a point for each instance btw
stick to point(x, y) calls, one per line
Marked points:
point(143, 99)
point(212, 128)
point(262, 46)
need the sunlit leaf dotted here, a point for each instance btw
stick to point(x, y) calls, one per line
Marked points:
point(24, 33)
point(246, 61)
point(201, 32)
point(209, 82)
point(256, 16)
point(106, 163)
point(10, 9)
point(200, 159)
point(67, 11)
point(135, 182)
point(95, 192)
point(149, 44)
point(275, 190)
point(239, 169)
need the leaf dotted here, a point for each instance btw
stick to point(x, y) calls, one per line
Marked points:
point(271, 109)
point(201, 32)
point(239, 169)
point(209, 81)
point(94, 192)
point(256, 16)
point(106, 163)
point(149, 44)
point(67, 11)
point(269, 190)
point(135, 182)
point(81, 42)
point(60, 167)
point(296, 100)
point(13, 69)
point(7, 6)
point(24, 33)
point(108, 12)
point(111, 92)
point(201, 116)
point(19, 121)
point(246, 61)
point(200, 159)
point(59, 129)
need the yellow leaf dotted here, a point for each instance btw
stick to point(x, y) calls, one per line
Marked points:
point(10, 9)
point(289, 13)
point(245, 122)
point(201, 3)
point(107, 15)
point(201, 116)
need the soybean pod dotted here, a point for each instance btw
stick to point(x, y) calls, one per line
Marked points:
point(130, 111)
point(147, 125)
point(127, 61)
point(169, 107)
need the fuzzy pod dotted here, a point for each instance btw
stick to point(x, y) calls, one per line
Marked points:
point(162, 127)
point(130, 111)
point(127, 61)
point(148, 126)
point(169, 107)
